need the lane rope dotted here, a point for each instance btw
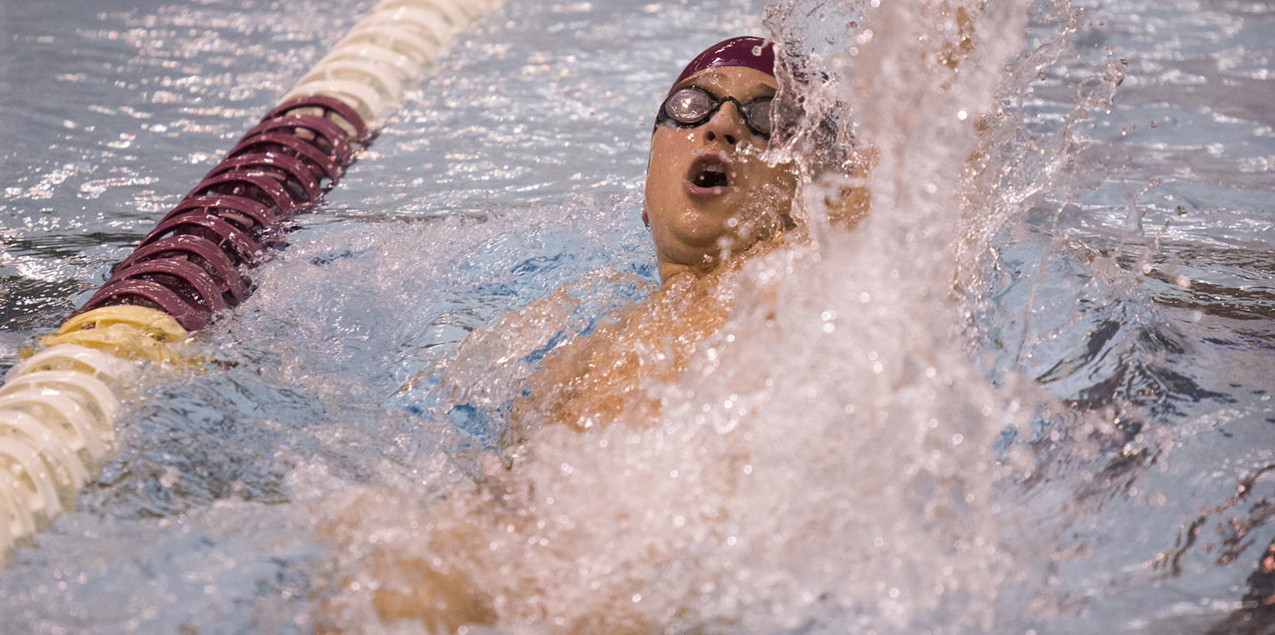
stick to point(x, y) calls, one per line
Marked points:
point(60, 406)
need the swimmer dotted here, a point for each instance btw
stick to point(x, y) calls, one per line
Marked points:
point(714, 199)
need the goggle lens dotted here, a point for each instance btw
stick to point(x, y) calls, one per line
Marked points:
point(692, 106)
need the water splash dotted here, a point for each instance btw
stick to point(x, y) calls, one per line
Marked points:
point(826, 462)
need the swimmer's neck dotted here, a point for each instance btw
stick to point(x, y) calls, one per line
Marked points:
point(670, 271)
point(674, 271)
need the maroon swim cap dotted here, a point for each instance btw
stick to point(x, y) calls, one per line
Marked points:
point(752, 52)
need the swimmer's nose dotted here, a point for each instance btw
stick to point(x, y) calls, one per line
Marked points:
point(727, 124)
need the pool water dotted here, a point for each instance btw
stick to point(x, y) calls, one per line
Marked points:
point(1030, 394)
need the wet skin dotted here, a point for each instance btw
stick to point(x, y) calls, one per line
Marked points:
point(711, 198)
point(703, 228)
point(695, 220)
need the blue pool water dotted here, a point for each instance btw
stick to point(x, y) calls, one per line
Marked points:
point(1035, 400)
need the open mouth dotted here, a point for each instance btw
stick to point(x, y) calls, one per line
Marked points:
point(707, 175)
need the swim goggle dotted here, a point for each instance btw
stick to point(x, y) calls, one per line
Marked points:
point(692, 106)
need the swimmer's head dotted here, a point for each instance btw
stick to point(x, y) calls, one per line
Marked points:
point(709, 192)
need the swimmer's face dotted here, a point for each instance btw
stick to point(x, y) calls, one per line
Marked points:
point(709, 192)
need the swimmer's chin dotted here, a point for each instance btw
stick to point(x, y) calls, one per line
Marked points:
point(696, 253)
point(725, 250)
